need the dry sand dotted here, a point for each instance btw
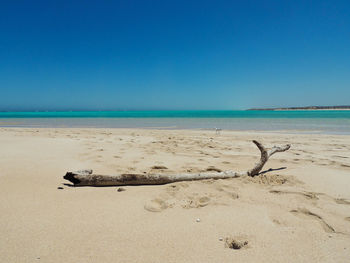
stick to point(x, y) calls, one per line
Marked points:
point(297, 214)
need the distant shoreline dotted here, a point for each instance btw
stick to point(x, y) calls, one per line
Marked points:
point(303, 108)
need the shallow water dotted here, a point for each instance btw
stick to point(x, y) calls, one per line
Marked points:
point(337, 122)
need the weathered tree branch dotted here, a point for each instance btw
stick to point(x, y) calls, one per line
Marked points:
point(87, 178)
point(265, 155)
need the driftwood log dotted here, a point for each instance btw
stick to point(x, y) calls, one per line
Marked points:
point(87, 178)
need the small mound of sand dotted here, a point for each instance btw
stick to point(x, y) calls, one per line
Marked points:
point(271, 179)
point(235, 243)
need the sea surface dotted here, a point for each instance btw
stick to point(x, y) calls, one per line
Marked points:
point(318, 121)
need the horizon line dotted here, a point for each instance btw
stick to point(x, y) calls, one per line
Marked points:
point(101, 110)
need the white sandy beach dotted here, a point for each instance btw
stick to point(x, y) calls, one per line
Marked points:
point(297, 214)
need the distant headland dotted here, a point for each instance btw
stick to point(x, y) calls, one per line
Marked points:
point(306, 108)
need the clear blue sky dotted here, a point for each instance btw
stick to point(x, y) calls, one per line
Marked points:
point(173, 54)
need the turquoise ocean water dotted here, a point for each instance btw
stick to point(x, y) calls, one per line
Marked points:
point(327, 121)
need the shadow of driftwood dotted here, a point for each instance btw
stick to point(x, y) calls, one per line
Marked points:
point(271, 170)
point(69, 185)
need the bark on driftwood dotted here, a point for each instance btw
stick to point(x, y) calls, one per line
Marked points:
point(87, 178)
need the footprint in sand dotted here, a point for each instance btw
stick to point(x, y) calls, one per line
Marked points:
point(339, 156)
point(276, 221)
point(196, 202)
point(213, 169)
point(193, 195)
point(342, 201)
point(308, 195)
point(156, 205)
point(306, 213)
point(203, 201)
point(313, 196)
point(228, 190)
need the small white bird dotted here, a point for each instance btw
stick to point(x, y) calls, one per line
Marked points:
point(217, 130)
